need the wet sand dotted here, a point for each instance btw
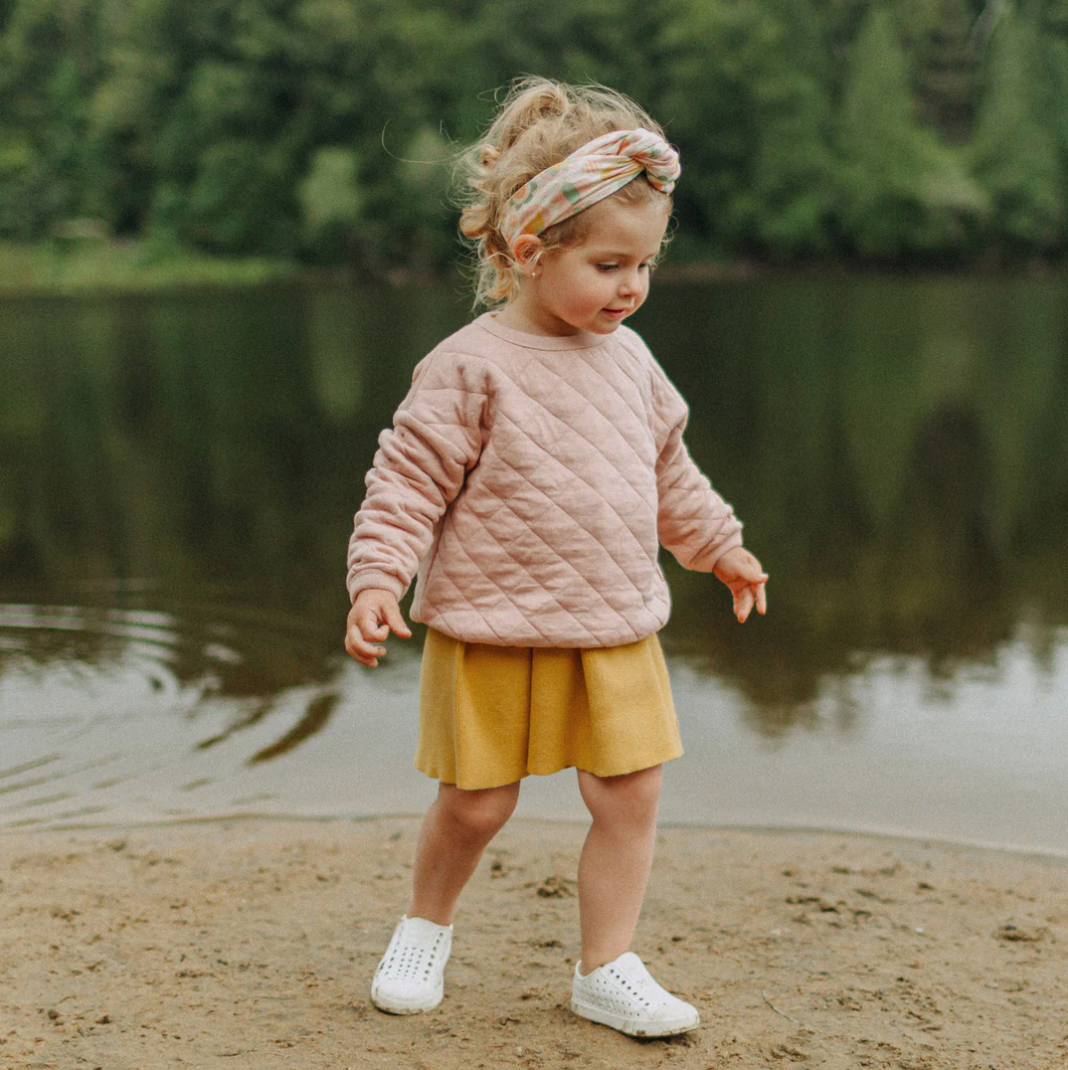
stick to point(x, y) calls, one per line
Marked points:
point(231, 944)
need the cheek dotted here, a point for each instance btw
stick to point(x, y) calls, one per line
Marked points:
point(591, 287)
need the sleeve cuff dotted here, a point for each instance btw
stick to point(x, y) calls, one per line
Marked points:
point(373, 580)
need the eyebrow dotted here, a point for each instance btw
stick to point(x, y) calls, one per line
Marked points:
point(612, 254)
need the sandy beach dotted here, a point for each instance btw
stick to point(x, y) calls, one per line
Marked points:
point(231, 944)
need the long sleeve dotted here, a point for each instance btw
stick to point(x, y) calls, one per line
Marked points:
point(418, 470)
point(693, 521)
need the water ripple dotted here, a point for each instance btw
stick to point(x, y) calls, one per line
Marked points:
point(106, 711)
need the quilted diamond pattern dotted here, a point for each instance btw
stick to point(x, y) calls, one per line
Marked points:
point(527, 484)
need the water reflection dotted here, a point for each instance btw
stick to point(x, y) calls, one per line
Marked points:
point(178, 475)
point(895, 449)
point(105, 699)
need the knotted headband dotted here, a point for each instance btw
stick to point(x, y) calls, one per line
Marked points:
point(588, 175)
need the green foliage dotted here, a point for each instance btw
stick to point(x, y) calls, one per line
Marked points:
point(1015, 152)
point(330, 201)
point(17, 160)
point(86, 265)
point(752, 125)
point(808, 128)
point(233, 201)
point(904, 191)
point(328, 194)
point(945, 64)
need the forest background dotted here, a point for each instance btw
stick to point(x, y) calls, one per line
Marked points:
point(320, 132)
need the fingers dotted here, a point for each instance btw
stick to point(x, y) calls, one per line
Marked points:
point(750, 596)
point(743, 604)
point(395, 621)
point(369, 624)
point(357, 646)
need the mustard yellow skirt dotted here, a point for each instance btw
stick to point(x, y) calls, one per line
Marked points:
point(491, 715)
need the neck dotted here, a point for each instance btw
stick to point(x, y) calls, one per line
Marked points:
point(522, 314)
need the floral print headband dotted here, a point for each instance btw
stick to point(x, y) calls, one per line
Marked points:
point(588, 175)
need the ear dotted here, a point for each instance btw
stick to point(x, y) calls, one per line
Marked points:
point(526, 250)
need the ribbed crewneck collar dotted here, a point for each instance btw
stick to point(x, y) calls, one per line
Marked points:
point(582, 340)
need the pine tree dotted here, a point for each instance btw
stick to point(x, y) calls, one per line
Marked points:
point(905, 192)
point(752, 119)
point(1014, 153)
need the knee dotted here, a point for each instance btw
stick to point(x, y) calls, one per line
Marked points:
point(630, 800)
point(479, 815)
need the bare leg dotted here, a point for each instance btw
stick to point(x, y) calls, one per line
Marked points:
point(455, 832)
point(616, 860)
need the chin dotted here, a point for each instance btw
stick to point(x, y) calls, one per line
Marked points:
point(600, 327)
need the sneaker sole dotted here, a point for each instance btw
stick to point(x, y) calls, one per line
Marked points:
point(400, 1006)
point(636, 1027)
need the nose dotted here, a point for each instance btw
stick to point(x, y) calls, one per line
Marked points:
point(630, 283)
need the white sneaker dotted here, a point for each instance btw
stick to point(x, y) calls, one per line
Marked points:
point(622, 994)
point(411, 976)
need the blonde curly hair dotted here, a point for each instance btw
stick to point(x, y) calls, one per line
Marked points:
point(539, 122)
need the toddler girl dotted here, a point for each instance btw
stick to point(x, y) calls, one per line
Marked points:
point(531, 473)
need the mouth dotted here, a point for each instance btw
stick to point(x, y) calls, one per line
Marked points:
point(617, 313)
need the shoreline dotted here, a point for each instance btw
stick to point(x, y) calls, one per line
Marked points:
point(90, 831)
point(132, 267)
point(223, 943)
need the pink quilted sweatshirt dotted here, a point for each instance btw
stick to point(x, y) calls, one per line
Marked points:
point(528, 482)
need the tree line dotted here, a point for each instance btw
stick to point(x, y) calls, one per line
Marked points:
point(885, 131)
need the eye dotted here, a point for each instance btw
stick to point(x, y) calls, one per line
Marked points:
point(607, 266)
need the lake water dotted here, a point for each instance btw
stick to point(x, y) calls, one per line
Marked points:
point(177, 480)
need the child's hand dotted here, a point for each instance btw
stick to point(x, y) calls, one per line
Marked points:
point(742, 573)
point(372, 616)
